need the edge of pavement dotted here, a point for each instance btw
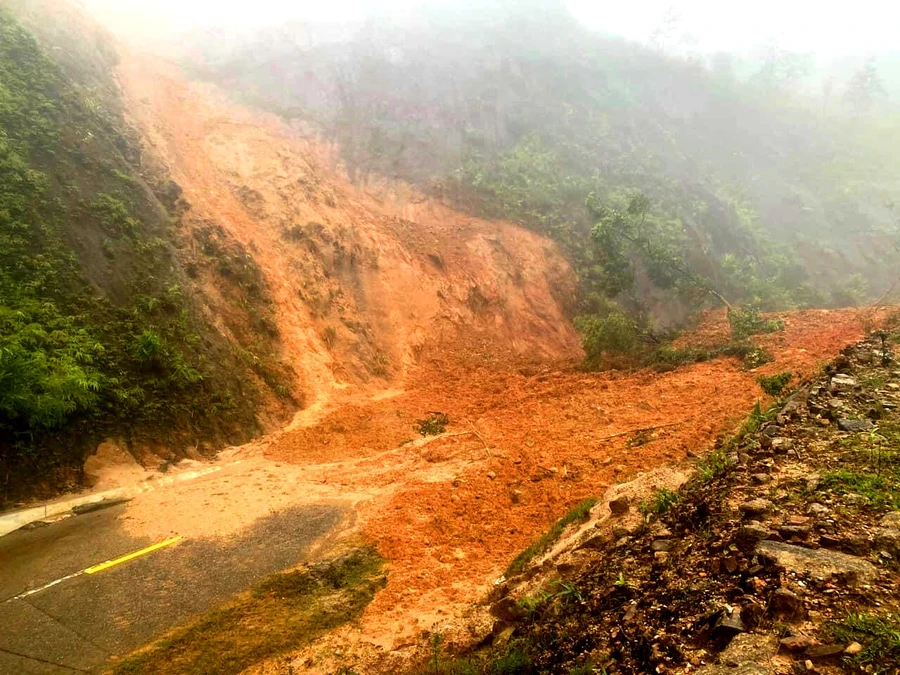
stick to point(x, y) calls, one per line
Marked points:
point(14, 520)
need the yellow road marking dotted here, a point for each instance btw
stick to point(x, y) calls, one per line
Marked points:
point(131, 556)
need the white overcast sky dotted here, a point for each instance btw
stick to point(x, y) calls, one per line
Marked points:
point(824, 27)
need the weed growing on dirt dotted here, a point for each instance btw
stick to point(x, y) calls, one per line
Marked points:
point(436, 423)
point(882, 492)
point(773, 385)
point(283, 612)
point(879, 636)
point(748, 321)
point(715, 465)
point(578, 514)
point(660, 502)
point(756, 357)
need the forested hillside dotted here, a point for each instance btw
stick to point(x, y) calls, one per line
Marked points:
point(99, 334)
point(666, 181)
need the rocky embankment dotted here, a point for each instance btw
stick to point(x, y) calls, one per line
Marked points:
point(780, 555)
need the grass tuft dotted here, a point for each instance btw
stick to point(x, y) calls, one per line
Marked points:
point(577, 514)
point(283, 612)
point(879, 636)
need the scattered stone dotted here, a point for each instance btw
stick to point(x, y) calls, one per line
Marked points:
point(755, 508)
point(819, 652)
point(888, 539)
point(891, 520)
point(816, 509)
point(792, 531)
point(781, 446)
point(662, 545)
point(817, 563)
point(812, 482)
point(516, 496)
point(853, 649)
point(619, 506)
point(507, 610)
point(786, 602)
point(854, 499)
point(491, 475)
point(797, 643)
point(749, 535)
point(661, 556)
point(761, 478)
point(855, 425)
point(842, 382)
point(730, 623)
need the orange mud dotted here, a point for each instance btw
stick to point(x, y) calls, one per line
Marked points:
point(431, 310)
point(463, 507)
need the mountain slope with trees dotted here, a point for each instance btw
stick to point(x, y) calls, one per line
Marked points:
point(747, 187)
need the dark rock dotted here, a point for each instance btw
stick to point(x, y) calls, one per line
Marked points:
point(855, 425)
point(797, 643)
point(97, 506)
point(819, 652)
point(786, 602)
point(730, 623)
point(507, 610)
point(755, 508)
point(619, 506)
point(662, 545)
point(791, 531)
point(749, 535)
point(761, 478)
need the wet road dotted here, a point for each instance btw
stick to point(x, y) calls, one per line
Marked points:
point(77, 624)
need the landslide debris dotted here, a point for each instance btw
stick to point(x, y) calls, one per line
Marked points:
point(780, 555)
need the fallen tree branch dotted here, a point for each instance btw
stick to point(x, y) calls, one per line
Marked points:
point(637, 431)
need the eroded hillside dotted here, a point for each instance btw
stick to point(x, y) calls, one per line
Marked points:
point(360, 286)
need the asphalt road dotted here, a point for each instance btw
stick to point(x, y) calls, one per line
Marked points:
point(77, 624)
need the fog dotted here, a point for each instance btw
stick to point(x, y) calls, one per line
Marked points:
point(697, 26)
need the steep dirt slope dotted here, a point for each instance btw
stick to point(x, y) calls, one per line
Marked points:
point(359, 286)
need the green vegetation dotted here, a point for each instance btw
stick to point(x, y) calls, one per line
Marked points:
point(436, 423)
point(773, 385)
point(748, 321)
point(284, 612)
point(578, 514)
point(881, 491)
point(659, 503)
point(879, 637)
point(97, 336)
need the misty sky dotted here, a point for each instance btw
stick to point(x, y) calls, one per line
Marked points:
point(828, 29)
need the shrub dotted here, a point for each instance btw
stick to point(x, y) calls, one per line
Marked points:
point(748, 321)
point(436, 423)
point(773, 385)
point(613, 333)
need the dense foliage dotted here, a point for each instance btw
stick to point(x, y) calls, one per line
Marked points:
point(96, 335)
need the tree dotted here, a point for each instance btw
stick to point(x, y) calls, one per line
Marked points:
point(865, 88)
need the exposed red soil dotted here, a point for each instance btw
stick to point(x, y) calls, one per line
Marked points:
point(464, 506)
point(463, 316)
